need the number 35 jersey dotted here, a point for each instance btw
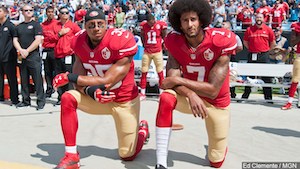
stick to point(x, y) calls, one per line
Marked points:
point(196, 63)
point(115, 45)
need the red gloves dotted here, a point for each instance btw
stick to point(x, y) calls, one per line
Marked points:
point(104, 96)
point(60, 80)
point(99, 94)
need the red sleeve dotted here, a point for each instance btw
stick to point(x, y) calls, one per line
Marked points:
point(246, 35)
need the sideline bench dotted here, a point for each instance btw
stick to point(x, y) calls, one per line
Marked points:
point(261, 69)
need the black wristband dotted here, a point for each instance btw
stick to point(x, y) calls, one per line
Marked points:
point(73, 78)
point(90, 90)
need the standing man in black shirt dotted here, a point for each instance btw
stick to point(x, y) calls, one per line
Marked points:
point(27, 39)
point(8, 57)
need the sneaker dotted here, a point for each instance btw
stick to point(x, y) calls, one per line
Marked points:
point(287, 106)
point(158, 166)
point(218, 164)
point(40, 107)
point(70, 161)
point(21, 105)
point(142, 96)
point(144, 128)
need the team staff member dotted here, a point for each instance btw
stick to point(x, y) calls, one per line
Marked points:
point(197, 81)
point(108, 55)
point(48, 51)
point(27, 39)
point(8, 57)
point(295, 40)
point(152, 34)
point(65, 31)
point(259, 39)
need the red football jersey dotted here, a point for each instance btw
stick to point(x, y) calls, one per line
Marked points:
point(153, 36)
point(115, 45)
point(196, 63)
point(296, 27)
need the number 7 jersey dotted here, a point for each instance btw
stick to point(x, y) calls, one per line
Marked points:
point(196, 63)
point(115, 45)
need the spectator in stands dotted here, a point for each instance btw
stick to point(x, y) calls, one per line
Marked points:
point(48, 49)
point(259, 39)
point(295, 40)
point(64, 30)
point(278, 53)
point(227, 25)
point(278, 15)
point(120, 18)
point(79, 15)
point(219, 14)
point(265, 10)
point(246, 15)
point(232, 11)
point(130, 17)
point(142, 12)
point(27, 39)
point(8, 57)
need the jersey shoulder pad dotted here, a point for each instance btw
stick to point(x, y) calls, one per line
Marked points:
point(163, 24)
point(78, 39)
point(221, 37)
point(172, 37)
point(120, 40)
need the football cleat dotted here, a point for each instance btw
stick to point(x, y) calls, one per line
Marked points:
point(218, 164)
point(142, 96)
point(145, 129)
point(287, 106)
point(158, 166)
point(70, 161)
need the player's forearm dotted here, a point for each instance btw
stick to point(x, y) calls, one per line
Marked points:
point(34, 45)
point(203, 89)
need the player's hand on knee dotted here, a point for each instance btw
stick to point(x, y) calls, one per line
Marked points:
point(100, 94)
point(197, 106)
point(60, 80)
point(104, 96)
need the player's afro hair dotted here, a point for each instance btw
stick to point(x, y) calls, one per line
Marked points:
point(201, 7)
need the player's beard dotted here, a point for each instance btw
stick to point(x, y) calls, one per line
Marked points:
point(192, 34)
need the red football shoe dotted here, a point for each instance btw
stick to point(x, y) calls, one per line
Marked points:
point(145, 129)
point(287, 106)
point(218, 164)
point(70, 161)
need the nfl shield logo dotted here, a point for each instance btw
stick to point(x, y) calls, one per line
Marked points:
point(193, 56)
point(92, 54)
point(208, 54)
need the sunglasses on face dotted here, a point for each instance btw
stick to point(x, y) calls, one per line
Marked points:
point(64, 13)
point(28, 10)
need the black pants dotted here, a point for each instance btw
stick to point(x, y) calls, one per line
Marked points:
point(261, 58)
point(49, 69)
point(9, 68)
point(32, 66)
point(62, 67)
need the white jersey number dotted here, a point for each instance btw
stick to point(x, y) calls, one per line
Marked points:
point(197, 69)
point(151, 38)
point(99, 70)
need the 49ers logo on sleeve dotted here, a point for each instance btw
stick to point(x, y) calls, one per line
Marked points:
point(208, 54)
point(106, 53)
point(157, 26)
